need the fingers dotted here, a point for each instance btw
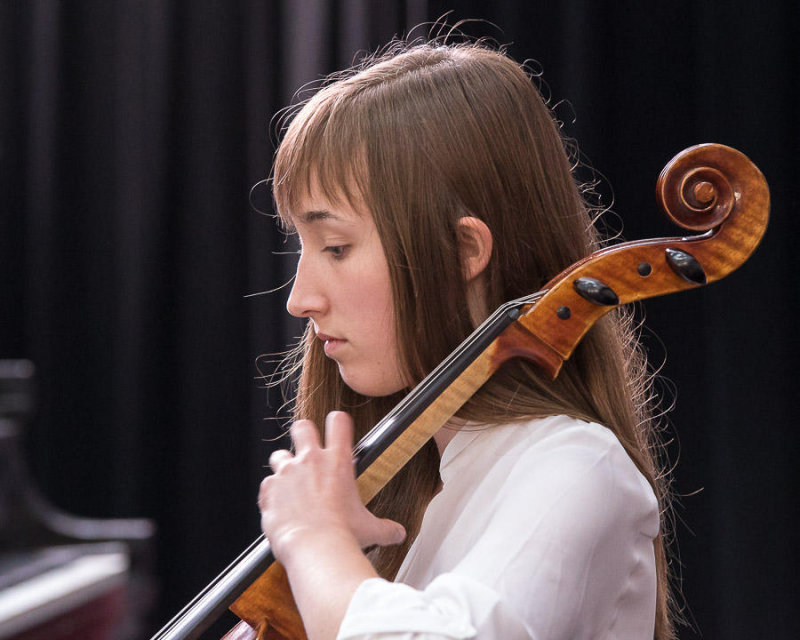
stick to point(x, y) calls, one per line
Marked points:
point(279, 458)
point(385, 532)
point(304, 436)
point(262, 495)
point(339, 432)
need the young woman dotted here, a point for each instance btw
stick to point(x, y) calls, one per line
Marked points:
point(428, 187)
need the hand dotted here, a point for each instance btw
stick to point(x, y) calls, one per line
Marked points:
point(313, 494)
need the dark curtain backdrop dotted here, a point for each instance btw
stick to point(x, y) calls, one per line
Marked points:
point(132, 132)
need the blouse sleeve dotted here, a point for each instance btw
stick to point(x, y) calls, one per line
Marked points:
point(564, 551)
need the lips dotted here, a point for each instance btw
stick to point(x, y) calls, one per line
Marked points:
point(331, 344)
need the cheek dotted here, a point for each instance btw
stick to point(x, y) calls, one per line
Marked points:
point(371, 295)
point(377, 312)
point(378, 371)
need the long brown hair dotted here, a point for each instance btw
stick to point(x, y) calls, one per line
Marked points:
point(422, 135)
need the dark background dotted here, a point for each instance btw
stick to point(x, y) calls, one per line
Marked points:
point(132, 132)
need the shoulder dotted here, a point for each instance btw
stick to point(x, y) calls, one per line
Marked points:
point(570, 467)
point(552, 514)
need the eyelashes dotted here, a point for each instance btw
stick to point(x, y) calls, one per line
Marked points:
point(337, 251)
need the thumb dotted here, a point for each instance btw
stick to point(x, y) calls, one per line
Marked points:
point(387, 532)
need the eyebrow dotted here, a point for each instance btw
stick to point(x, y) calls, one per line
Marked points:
point(316, 215)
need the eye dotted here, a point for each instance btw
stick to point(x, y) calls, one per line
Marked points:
point(337, 251)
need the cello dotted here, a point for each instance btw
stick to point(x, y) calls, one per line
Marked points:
point(710, 188)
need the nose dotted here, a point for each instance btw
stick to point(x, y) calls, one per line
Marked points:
point(306, 298)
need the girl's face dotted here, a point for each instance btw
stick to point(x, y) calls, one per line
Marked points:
point(342, 285)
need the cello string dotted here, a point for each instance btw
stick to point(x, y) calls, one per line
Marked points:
point(434, 376)
point(474, 337)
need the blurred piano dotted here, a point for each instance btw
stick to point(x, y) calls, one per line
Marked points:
point(62, 577)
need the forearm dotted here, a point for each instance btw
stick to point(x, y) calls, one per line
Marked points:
point(325, 569)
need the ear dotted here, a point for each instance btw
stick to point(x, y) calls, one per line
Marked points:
point(474, 245)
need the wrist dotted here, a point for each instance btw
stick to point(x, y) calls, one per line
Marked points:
point(325, 568)
point(309, 544)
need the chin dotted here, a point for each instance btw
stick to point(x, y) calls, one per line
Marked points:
point(373, 391)
point(367, 386)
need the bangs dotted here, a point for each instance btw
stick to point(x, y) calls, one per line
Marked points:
point(323, 152)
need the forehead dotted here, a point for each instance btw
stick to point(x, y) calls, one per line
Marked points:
point(316, 207)
point(306, 174)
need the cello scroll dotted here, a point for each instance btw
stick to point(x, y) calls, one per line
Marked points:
point(708, 187)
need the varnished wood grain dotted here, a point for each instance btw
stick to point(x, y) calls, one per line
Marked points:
point(269, 607)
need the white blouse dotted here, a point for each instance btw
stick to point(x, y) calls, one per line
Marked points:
point(541, 530)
